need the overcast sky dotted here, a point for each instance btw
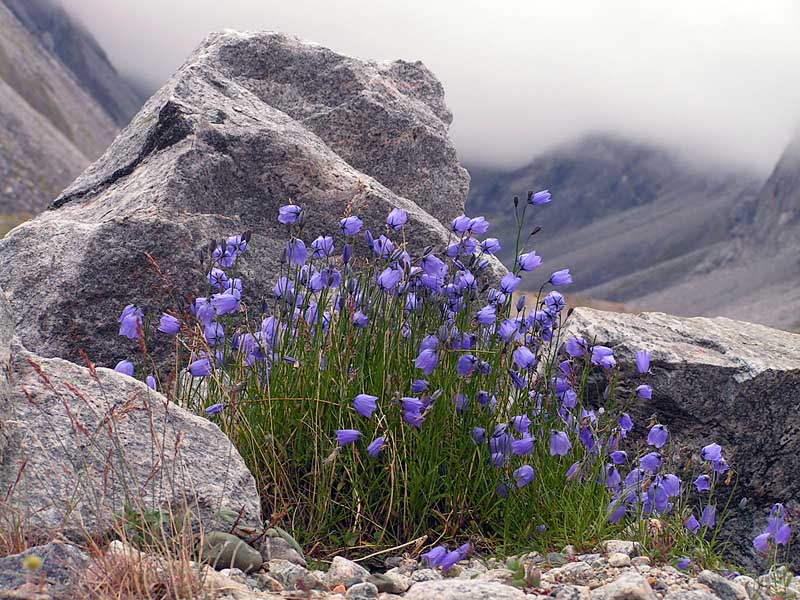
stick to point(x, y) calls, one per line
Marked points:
point(718, 79)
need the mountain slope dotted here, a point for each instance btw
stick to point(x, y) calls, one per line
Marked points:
point(756, 276)
point(628, 219)
point(78, 51)
point(50, 128)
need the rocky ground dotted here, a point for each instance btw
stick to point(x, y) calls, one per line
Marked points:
point(618, 571)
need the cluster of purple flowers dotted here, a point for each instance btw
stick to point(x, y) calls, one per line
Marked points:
point(778, 531)
point(205, 309)
point(509, 393)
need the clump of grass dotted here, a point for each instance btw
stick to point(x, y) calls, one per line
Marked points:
point(381, 397)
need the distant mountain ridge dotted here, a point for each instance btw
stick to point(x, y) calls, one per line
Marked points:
point(641, 226)
point(51, 123)
point(77, 50)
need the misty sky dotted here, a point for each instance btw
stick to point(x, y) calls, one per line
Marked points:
point(718, 79)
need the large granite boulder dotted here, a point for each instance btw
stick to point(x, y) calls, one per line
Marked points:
point(730, 382)
point(250, 122)
point(78, 444)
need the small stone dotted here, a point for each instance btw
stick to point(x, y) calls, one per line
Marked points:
point(236, 575)
point(621, 546)
point(224, 550)
point(272, 548)
point(593, 559)
point(501, 575)
point(619, 559)
point(690, 595)
point(294, 577)
point(724, 588)
point(577, 572)
point(390, 582)
point(345, 571)
point(339, 589)
point(555, 558)
point(571, 592)
point(425, 575)
point(628, 586)
point(461, 589)
point(640, 561)
point(362, 591)
point(267, 583)
point(569, 550)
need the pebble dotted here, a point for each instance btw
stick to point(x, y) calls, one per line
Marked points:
point(362, 591)
point(224, 550)
point(345, 572)
point(621, 546)
point(390, 582)
point(619, 559)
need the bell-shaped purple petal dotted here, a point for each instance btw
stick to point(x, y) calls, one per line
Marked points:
point(523, 476)
point(560, 278)
point(643, 361)
point(703, 483)
point(644, 391)
point(559, 443)
point(711, 452)
point(692, 524)
point(529, 261)
point(657, 436)
point(542, 197)
point(365, 405)
point(169, 324)
point(651, 462)
point(524, 358)
point(347, 436)
point(125, 367)
point(434, 556)
point(396, 219)
point(200, 367)
point(289, 214)
point(376, 446)
point(351, 225)
point(761, 543)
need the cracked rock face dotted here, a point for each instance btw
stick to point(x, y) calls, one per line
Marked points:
point(251, 122)
point(716, 380)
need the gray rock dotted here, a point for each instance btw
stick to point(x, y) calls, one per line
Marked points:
point(619, 559)
point(623, 546)
point(690, 595)
point(502, 575)
point(294, 577)
point(225, 551)
point(276, 547)
point(716, 380)
point(61, 565)
point(628, 586)
point(362, 591)
point(460, 589)
point(723, 587)
point(344, 572)
point(210, 156)
point(555, 558)
point(571, 592)
point(94, 441)
point(575, 572)
point(425, 575)
point(390, 582)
